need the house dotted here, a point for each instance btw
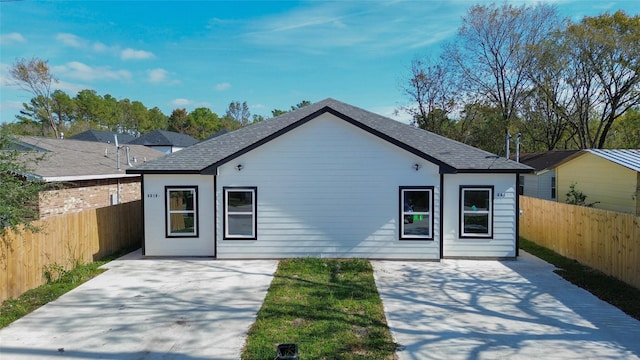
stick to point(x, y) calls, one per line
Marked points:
point(165, 141)
point(542, 182)
point(331, 180)
point(609, 178)
point(102, 136)
point(91, 174)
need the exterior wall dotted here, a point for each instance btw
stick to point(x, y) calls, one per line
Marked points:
point(168, 149)
point(613, 185)
point(503, 243)
point(328, 189)
point(156, 241)
point(539, 185)
point(90, 194)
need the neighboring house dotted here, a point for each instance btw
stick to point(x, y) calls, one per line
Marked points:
point(102, 136)
point(542, 183)
point(87, 171)
point(331, 180)
point(609, 177)
point(166, 141)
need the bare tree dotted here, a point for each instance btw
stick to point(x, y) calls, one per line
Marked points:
point(492, 53)
point(432, 95)
point(35, 77)
point(239, 112)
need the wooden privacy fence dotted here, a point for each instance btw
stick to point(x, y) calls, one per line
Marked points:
point(604, 240)
point(65, 240)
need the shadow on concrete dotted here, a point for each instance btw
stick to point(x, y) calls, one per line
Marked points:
point(464, 309)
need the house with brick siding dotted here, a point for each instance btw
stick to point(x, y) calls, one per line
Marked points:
point(91, 174)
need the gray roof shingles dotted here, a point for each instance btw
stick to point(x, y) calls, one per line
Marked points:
point(75, 158)
point(102, 136)
point(164, 138)
point(450, 155)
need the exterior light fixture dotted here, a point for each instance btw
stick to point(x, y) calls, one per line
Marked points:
point(416, 166)
point(239, 167)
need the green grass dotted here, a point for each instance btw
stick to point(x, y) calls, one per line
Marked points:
point(13, 309)
point(329, 307)
point(617, 293)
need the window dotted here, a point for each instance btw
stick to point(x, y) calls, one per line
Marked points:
point(553, 187)
point(181, 211)
point(415, 209)
point(521, 185)
point(240, 213)
point(476, 211)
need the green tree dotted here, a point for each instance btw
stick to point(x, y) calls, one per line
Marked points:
point(625, 132)
point(179, 121)
point(301, 104)
point(203, 123)
point(19, 192)
point(606, 58)
point(35, 77)
point(155, 120)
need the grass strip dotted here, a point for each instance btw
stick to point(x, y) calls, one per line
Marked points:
point(330, 308)
point(607, 288)
point(13, 309)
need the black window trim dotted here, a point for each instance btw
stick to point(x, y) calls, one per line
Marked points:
point(225, 189)
point(401, 235)
point(196, 210)
point(461, 234)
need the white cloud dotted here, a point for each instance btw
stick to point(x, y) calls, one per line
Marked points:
point(81, 71)
point(222, 86)
point(157, 75)
point(131, 54)
point(70, 40)
point(100, 47)
point(70, 88)
point(181, 102)
point(13, 37)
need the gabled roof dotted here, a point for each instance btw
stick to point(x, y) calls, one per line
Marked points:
point(102, 136)
point(164, 138)
point(546, 159)
point(450, 155)
point(628, 158)
point(72, 160)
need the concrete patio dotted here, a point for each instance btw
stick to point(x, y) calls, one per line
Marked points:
point(465, 309)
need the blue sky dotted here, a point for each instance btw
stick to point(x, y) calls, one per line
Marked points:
point(272, 54)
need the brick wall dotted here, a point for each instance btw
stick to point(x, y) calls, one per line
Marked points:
point(81, 195)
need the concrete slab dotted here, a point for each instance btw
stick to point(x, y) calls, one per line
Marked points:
point(463, 309)
point(147, 309)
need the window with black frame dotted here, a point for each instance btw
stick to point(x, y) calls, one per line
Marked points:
point(476, 211)
point(416, 205)
point(181, 211)
point(240, 213)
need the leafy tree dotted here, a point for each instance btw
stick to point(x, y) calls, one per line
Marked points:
point(606, 50)
point(301, 104)
point(481, 126)
point(18, 193)
point(155, 120)
point(35, 77)
point(625, 132)
point(577, 197)
point(203, 123)
point(179, 121)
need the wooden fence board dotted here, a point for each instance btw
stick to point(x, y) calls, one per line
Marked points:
point(85, 236)
point(604, 240)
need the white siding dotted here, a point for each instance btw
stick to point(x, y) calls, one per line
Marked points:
point(156, 242)
point(539, 185)
point(329, 189)
point(504, 217)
